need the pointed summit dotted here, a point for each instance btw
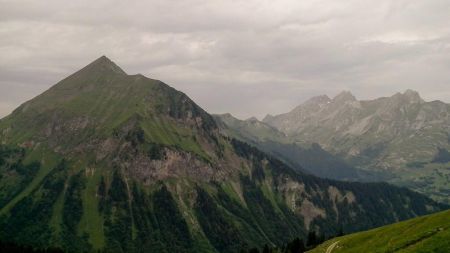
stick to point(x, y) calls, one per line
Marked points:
point(313, 103)
point(344, 96)
point(103, 64)
point(412, 96)
point(409, 96)
point(99, 74)
point(252, 119)
point(268, 118)
point(103, 92)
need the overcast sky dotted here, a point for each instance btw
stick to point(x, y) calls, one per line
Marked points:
point(249, 57)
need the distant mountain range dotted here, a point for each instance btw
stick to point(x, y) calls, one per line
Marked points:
point(387, 133)
point(401, 139)
point(106, 161)
point(309, 158)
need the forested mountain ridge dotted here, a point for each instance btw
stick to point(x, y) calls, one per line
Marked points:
point(310, 158)
point(114, 162)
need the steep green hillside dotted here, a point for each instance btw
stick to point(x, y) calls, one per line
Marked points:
point(99, 101)
point(123, 163)
point(429, 233)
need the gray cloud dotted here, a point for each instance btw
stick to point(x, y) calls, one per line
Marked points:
point(245, 57)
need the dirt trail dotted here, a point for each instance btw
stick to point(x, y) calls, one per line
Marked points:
point(331, 247)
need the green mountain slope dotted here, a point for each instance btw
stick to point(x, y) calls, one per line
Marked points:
point(307, 158)
point(100, 100)
point(402, 136)
point(429, 233)
point(123, 163)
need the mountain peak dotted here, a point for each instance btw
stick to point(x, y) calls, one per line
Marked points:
point(344, 96)
point(103, 64)
point(99, 73)
point(103, 58)
point(322, 99)
point(253, 119)
point(225, 116)
point(412, 95)
point(267, 118)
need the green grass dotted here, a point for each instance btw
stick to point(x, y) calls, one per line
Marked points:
point(56, 219)
point(48, 161)
point(231, 192)
point(201, 244)
point(160, 131)
point(268, 193)
point(92, 221)
point(429, 233)
point(181, 189)
point(432, 179)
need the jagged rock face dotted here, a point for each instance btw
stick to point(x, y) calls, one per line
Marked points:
point(386, 133)
point(398, 139)
point(123, 163)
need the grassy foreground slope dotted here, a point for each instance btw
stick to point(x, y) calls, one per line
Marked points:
point(430, 233)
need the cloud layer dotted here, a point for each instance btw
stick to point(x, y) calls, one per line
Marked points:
point(248, 57)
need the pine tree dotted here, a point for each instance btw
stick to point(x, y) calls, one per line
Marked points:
point(312, 239)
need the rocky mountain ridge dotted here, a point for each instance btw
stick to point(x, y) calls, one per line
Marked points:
point(106, 161)
point(400, 135)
